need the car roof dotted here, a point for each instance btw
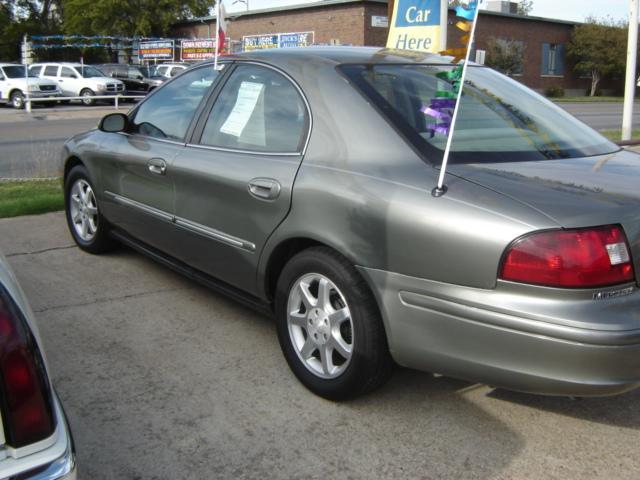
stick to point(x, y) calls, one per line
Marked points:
point(340, 55)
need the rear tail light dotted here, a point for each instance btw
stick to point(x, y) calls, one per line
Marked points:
point(584, 258)
point(25, 402)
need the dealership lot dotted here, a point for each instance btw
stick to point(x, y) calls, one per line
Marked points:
point(162, 378)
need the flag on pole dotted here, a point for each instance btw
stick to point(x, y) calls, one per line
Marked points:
point(221, 31)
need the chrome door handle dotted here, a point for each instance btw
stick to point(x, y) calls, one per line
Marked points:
point(157, 166)
point(264, 188)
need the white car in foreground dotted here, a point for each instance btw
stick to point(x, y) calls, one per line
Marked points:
point(15, 85)
point(78, 80)
point(35, 440)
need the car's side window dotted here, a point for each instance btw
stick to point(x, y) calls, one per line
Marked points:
point(168, 113)
point(51, 71)
point(67, 73)
point(258, 110)
point(36, 70)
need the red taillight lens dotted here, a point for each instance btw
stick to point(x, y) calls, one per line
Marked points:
point(584, 258)
point(26, 395)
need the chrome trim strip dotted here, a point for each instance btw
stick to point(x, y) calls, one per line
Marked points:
point(246, 152)
point(140, 206)
point(215, 234)
point(184, 223)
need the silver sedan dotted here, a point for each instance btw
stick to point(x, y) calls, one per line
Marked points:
point(301, 181)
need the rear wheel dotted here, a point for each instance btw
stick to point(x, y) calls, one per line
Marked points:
point(329, 326)
point(17, 99)
point(89, 228)
point(87, 97)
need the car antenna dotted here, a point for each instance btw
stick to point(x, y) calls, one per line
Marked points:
point(441, 188)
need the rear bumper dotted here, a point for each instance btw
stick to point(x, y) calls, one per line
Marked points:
point(57, 462)
point(509, 338)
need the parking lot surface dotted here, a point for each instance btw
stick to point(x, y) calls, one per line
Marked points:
point(164, 379)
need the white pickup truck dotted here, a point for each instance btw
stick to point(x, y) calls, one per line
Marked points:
point(14, 86)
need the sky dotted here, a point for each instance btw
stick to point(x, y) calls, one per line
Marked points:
point(576, 10)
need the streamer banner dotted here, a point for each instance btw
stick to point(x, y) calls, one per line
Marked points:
point(419, 25)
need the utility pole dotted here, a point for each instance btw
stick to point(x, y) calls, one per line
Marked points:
point(631, 80)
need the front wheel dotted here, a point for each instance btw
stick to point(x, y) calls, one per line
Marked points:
point(17, 100)
point(329, 326)
point(88, 227)
point(87, 97)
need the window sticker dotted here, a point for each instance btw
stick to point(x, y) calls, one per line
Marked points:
point(248, 95)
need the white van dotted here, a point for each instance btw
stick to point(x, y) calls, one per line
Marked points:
point(14, 86)
point(78, 80)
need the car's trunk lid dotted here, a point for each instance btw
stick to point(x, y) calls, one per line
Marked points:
point(581, 192)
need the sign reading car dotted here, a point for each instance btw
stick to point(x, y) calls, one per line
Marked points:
point(198, 49)
point(419, 25)
point(160, 50)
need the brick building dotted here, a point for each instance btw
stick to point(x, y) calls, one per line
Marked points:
point(364, 22)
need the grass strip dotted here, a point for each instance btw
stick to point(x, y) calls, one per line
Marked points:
point(30, 197)
point(616, 135)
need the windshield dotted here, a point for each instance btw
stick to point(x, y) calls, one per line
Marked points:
point(17, 71)
point(499, 119)
point(89, 72)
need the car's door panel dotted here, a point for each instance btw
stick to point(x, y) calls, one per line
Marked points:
point(234, 187)
point(137, 175)
point(224, 225)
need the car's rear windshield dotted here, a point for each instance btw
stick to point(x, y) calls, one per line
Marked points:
point(499, 120)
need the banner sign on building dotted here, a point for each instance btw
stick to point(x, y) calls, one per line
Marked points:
point(197, 49)
point(160, 50)
point(419, 25)
point(277, 40)
point(259, 42)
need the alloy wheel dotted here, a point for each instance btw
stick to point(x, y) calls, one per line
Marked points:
point(83, 210)
point(320, 325)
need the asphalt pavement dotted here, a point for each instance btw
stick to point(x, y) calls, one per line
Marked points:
point(164, 379)
point(601, 116)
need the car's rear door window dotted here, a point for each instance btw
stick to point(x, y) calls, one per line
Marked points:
point(168, 113)
point(51, 71)
point(258, 110)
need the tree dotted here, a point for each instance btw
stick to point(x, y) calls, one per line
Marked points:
point(151, 18)
point(599, 49)
point(525, 7)
point(504, 55)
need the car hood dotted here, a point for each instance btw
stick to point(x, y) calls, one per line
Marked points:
point(579, 192)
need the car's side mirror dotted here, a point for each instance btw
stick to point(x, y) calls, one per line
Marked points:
point(114, 122)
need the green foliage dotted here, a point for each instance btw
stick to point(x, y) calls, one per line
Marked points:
point(504, 55)
point(525, 7)
point(128, 17)
point(599, 48)
point(30, 197)
point(554, 92)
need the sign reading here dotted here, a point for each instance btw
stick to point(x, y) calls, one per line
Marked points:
point(418, 25)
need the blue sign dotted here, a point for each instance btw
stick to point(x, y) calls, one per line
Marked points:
point(259, 42)
point(418, 13)
point(295, 39)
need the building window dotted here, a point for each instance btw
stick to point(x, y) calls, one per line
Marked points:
point(552, 59)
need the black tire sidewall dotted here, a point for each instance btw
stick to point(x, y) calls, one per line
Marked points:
point(353, 379)
point(101, 239)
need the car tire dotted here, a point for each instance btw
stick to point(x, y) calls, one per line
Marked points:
point(17, 100)
point(337, 346)
point(89, 229)
point(87, 97)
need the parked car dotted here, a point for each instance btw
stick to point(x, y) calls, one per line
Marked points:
point(35, 442)
point(302, 181)
point(78, 80)
point(169, 70)
point(136, 83)
point(15, 85)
